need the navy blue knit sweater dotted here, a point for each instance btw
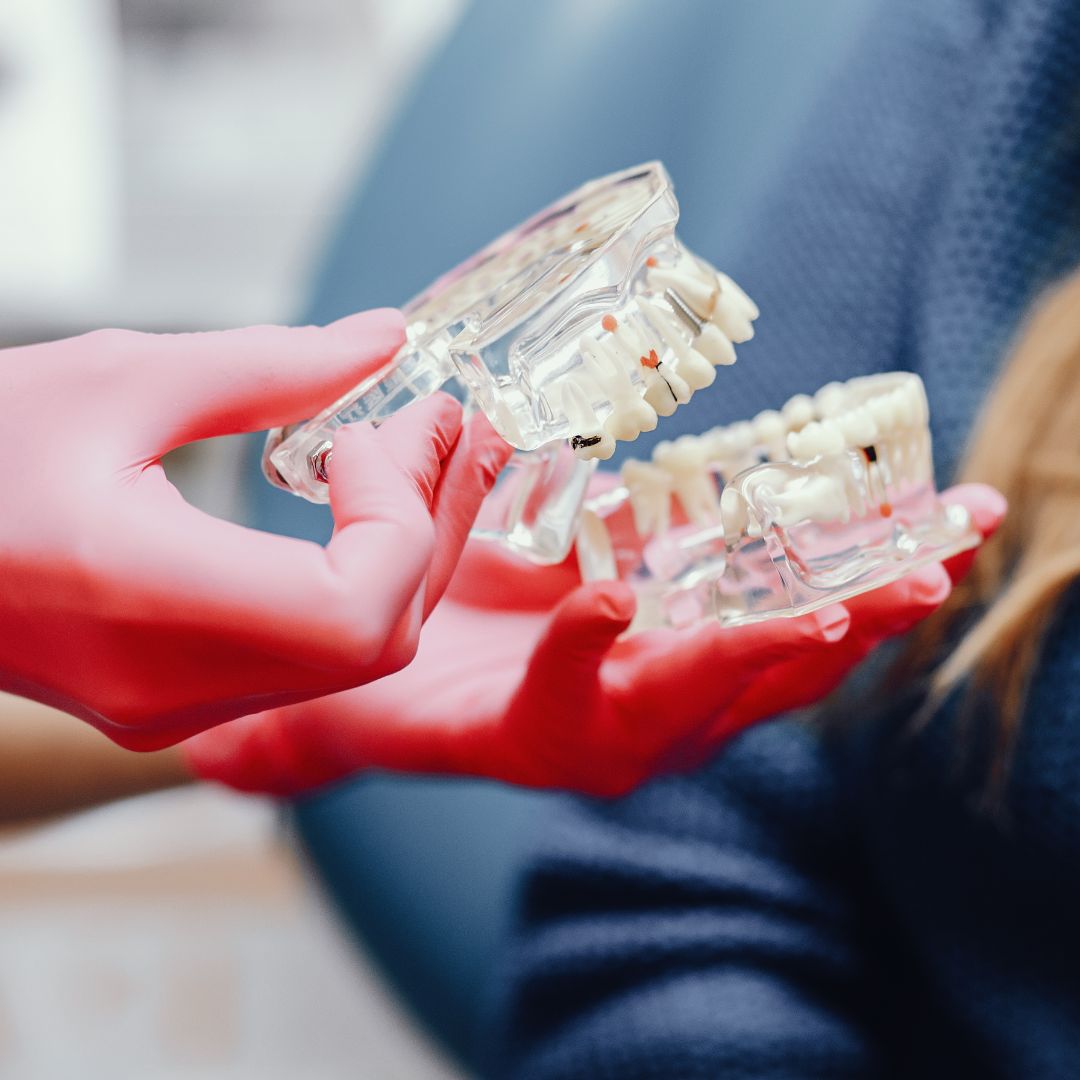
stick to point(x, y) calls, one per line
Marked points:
point(832, 905)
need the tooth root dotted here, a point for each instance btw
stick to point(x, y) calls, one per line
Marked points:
point(714, 346)
point(699, 294)
point(684, 460)
point(733, 288)
point(798, 411)
point(650, 496)
point(587, 440)
point(730, 316)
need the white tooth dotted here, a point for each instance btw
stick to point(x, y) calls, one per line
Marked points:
point(735, 513)
point(714, 346)
point(883, 409)
point(857, 426)
point(831, 399)
point(650, 496)
point(698, 293)
point(731, 317)
point(690, 366)
point(587, 440)
point(770, 431)
point(685, 460)
point(630, 415)
point(798, 411)
point(817, 439)
point(659, 394)
point(811, 497)
point(733, 287)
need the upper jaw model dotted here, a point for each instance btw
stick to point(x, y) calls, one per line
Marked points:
point(582, 327)
point(585, 326)
point(831, 496)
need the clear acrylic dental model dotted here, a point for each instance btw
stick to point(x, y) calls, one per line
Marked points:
point(829, 497)
point(580, 328)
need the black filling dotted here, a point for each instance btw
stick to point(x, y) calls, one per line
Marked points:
point(580, 441)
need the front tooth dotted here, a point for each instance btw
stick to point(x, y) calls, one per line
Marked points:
point(700, 295)
point(831, 399)
point(714, 346)
point(650, 496)
point(770, 431)
point(686, 462)
point(858, 427)
point(588, 441)
point(731, 317)
point(817, 439)
point(733, 288)
point(798, 411)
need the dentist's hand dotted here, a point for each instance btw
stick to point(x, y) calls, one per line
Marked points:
point(124, 605)
point(506, 687)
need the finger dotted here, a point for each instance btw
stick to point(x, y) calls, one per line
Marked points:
point(987, 508)
point(700, 672)
point(468, 474)
point(383, 489)
point(563, 670)
point(192, 386)
point(895, 608)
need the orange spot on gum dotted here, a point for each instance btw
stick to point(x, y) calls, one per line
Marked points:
point(651, 260)
point(886, 510)
point(582, 227)
point(610, 323)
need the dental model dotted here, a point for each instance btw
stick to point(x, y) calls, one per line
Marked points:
point(582, 328)
point(830, 496)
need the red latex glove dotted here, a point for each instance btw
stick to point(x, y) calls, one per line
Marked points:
point(126, 606)
point(503, 687)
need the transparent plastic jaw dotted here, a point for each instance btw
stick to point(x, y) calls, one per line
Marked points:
point(840, 501)
point(586, 324)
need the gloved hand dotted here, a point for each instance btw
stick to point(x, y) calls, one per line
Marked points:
point(504, 687)
point(126, 606)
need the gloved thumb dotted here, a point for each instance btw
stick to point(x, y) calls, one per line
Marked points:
point(186, 387)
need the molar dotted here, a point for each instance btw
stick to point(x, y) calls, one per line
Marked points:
point(589, 441)
point(630, 415)
point(690, 365)
point(818, 438)
point(701, 295)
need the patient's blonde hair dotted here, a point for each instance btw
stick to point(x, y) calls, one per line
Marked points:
point(1027, 445)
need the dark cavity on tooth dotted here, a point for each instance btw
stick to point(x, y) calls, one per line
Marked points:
point(579, 442)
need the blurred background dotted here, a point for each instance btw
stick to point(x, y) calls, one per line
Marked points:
point(177, 164)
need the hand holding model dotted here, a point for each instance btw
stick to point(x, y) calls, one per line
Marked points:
point(520, 677)
point(129, 608)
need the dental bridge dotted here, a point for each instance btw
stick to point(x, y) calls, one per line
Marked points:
point(587, 325)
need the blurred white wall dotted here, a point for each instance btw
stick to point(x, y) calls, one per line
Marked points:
point(176, 164)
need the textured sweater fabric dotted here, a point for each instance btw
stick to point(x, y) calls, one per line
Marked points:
point(833, 905)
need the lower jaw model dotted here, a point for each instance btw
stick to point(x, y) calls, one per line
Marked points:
point(831, 496)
